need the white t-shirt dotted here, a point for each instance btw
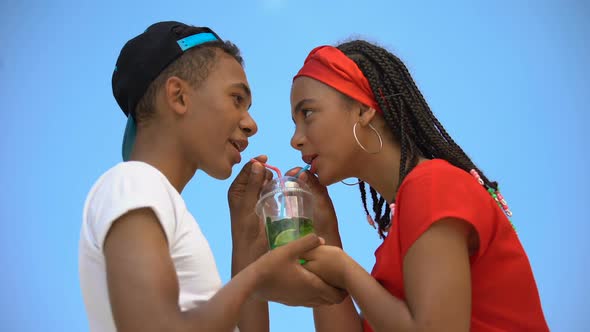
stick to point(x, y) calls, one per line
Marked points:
point(129, 186)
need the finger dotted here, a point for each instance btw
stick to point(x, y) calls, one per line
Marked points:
point(298, 247)
point(313, 182)
point(310, 255)
point(267, 177)
point(342, 295)
point(335, 295)
point(257, 176)
point(293, 171)
point(326, 291)
point(314, 303)
point(243, 177)
point(317, 303)
point(262, 158)
point(309, 179)
point(302, 175)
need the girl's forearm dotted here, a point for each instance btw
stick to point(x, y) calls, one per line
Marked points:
point(383, 311)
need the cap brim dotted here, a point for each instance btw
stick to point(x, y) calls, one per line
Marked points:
point(129, 138)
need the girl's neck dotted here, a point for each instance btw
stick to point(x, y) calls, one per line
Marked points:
point(381, 171)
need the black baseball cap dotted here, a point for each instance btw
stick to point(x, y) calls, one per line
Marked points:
point(143, 58)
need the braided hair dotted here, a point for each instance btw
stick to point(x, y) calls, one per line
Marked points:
point(409, 118)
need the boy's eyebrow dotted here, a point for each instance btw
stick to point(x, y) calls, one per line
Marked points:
point(244, 87)
point(299, 106)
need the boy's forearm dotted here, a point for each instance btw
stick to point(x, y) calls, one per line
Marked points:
point(254, 314)
point(223, 311)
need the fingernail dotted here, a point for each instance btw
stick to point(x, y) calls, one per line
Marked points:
point(256, 168)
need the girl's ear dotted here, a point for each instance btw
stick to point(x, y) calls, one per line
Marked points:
point(367, 114)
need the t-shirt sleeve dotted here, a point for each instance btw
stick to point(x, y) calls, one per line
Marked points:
point(125, 189)
point(439, 193)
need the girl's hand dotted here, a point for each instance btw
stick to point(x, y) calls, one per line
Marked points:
point(325, 222)
point(329, 263)
point(282, 278)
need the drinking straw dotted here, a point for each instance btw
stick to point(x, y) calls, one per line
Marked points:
point(278, 171)
point(305, 168)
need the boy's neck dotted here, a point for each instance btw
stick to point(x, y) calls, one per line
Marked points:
point(166, 157)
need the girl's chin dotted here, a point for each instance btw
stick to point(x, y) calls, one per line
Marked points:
point(326, 180)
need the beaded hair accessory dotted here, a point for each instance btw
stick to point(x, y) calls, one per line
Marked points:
point(371, 221)
point(496, 195)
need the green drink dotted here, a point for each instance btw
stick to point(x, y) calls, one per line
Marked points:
point(286, 206)
point(283, 231)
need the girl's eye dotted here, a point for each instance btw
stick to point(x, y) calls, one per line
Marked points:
point(306, 113)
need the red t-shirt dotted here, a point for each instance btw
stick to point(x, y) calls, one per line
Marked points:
point(504, 293)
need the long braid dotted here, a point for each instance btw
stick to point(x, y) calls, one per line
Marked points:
point(375, 197)
point(364, 196)
point(377, 203)
point(407, 115)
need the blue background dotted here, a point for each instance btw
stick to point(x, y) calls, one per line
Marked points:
point(508, 79)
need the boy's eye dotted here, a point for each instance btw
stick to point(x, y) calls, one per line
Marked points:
point(306, 113)
point(238, 99)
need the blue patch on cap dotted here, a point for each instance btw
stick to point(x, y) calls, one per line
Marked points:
point(194, 40)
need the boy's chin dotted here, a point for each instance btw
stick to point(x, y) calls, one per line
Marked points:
point(220, 173)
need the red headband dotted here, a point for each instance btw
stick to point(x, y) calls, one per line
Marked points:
point(330, 66)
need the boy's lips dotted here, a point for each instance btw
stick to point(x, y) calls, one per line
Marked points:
point(239, 144)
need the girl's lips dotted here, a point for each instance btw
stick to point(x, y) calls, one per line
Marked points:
point(308, 158)
point(313, 168)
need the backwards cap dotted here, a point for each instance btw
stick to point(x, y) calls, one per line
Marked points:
point(143, 58)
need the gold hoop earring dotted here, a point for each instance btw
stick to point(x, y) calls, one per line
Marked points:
point(359, 143)
point(351, 184)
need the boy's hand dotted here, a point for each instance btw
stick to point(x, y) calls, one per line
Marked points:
point(248, 233)
point(283, 279)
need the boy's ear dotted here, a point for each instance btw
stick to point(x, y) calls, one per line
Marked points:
point(175, 94)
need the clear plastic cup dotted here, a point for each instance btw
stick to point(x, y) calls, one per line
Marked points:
point(286, 206)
